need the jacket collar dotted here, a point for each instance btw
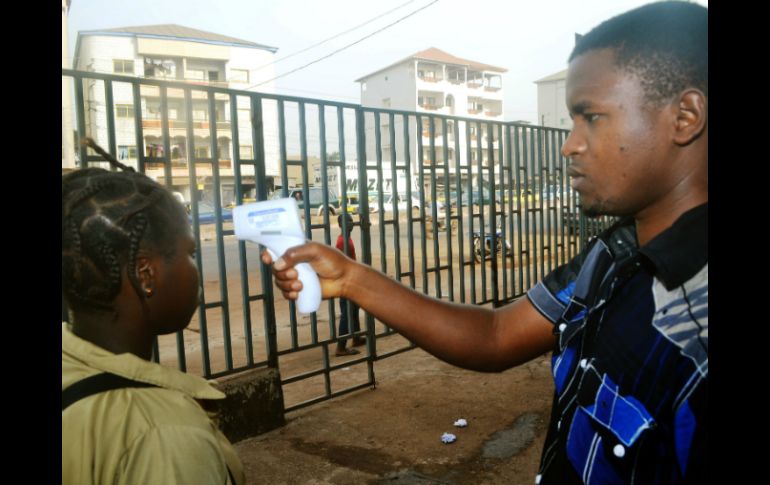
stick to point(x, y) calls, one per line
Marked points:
point(680, 251)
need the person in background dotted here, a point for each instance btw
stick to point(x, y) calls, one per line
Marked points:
point(348, 309)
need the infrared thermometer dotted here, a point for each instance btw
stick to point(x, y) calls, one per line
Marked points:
point(275, 224)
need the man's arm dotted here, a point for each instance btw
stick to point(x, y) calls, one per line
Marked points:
point(467, 336)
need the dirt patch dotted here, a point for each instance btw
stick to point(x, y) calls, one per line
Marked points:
point(392, 434)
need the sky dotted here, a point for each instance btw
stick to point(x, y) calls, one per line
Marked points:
point(532, 39)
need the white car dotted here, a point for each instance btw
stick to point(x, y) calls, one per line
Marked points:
point(401, 203)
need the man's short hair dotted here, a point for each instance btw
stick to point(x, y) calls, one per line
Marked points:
point(664, 44)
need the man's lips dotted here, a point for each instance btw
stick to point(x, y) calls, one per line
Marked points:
point(575, 177)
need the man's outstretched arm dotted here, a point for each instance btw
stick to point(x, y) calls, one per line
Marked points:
point(467, 336)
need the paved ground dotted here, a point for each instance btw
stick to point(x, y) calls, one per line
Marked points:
point(392, 434)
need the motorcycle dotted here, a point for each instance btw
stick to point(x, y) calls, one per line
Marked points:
point(488, 245)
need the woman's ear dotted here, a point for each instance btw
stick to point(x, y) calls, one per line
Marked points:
point(145, 274)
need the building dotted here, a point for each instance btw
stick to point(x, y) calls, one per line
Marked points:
point(551, 101)
point(435, 82)
point(173, 52)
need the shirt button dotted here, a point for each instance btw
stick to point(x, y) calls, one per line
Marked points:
point(562, 327)
point(583, 363)
point(537, 478)
point(619, 451)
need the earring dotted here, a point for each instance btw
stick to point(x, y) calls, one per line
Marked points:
point(148, 292)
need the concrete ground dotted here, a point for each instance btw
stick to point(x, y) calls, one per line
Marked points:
point(392, 433)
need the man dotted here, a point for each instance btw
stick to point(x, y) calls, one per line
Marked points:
point(627, 319)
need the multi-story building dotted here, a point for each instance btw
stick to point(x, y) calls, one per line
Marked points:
point(551, 101)
point(177, 53)
point(435, 82)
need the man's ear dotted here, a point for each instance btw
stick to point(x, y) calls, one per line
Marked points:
point(691, 116)
point(145, 274)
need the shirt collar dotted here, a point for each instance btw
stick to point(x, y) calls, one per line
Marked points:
point(680, 251)
point(133, 367)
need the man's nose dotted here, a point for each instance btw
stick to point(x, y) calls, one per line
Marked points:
point(574, 145)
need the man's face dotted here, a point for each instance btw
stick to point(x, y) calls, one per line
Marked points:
point(618, 144)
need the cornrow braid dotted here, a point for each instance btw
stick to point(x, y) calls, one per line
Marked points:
point(137, 231)
point(107, 218)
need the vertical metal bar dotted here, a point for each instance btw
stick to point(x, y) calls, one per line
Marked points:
point(363, 190)
point(448, 210)
point(460, 210)
point(81, 119)
point(492, 213)
point(235, 137)
point(482, 229)
point(285, 190)
point(138, 127)
point(539, 186)
point(511, 167)
point(380, 195)
point(409, 217)
point(526, 193)
point(110, 112)
point(394, 189)
point(421, 176)
point(521, 215)
point(327, 238)
point(192, 177)
point(180, 352)
point(220, 238)
point(260, 179)
point(434, 228)
point(325, 197)
point(165, 136)
point(450, 269)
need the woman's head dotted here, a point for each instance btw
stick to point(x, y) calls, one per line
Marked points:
point(123, 228)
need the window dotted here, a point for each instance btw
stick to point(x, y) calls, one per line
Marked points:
point(450, 101)
point(123, 66)
point(201, 152)
point(213, 75)
point(363, 86)
point(159, 68)
point(126, 151)
point(239, 75)
point(200, 114)
point(246, 152)
point(124, 110)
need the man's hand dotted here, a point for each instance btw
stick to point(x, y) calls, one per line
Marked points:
point(331, 265)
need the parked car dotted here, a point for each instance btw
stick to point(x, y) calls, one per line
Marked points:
point(207, 214)
point(401, 203)
point(316, 202)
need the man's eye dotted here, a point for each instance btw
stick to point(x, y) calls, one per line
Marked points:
point(590, 117)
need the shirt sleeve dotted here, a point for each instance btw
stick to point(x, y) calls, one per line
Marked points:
point(552, 294)
point(174, 455)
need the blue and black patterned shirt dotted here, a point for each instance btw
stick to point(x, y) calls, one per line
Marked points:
point(631, 363)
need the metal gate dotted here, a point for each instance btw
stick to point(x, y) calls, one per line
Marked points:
point(459, 208)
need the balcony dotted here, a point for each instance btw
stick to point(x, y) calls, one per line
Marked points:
point(182, 125)
point(475, 83)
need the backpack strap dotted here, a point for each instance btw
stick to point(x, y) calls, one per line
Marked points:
point(105, 381)
point(95, 384)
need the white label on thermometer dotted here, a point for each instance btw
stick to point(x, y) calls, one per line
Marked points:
point(267, 219)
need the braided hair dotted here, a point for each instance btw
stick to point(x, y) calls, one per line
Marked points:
point(107, 217)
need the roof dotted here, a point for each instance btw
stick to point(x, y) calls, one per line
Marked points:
point(553, 77)
point(437, 55)
point(178, 32)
